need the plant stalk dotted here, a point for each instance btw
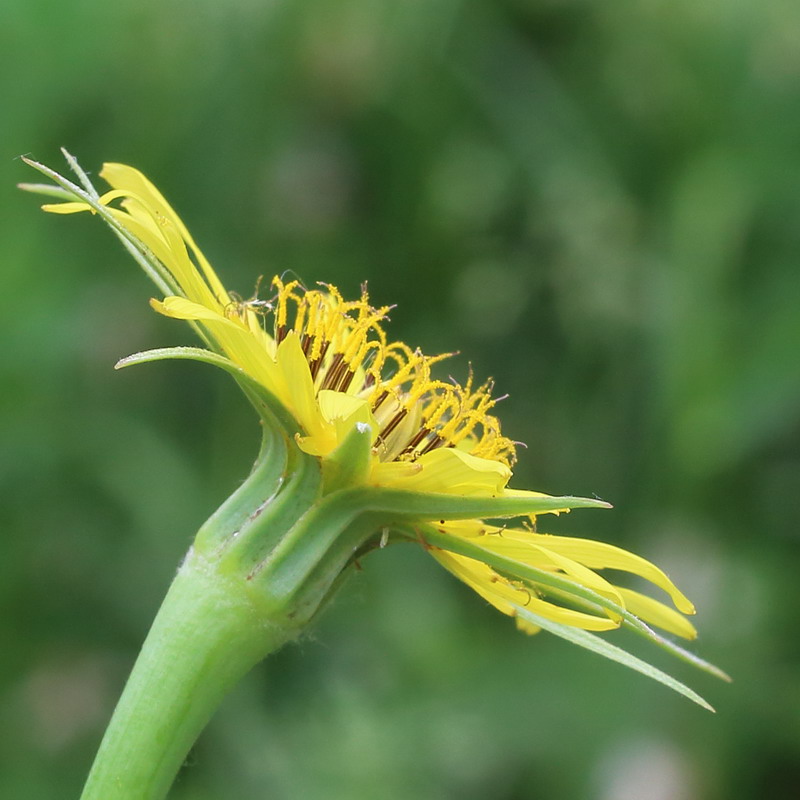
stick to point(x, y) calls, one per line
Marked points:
point(205, 637)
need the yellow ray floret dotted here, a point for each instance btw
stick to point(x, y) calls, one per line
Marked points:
point(504, 594)
point(576, 560)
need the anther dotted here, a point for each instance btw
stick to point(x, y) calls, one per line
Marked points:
point(437, 441)
point(346, 380)
point(416, 439)
point(381, 397)
point(316, 363)
point(331, 374)
point(396, 420)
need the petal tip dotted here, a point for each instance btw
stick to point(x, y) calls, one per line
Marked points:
point(684, 605)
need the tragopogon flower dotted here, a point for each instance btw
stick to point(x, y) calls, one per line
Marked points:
point(419, 458)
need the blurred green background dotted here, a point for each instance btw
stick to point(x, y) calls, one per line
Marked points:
point(597, 203)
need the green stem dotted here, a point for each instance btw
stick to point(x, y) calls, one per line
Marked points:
point(205, 637)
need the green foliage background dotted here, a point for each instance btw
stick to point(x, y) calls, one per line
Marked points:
point(596, 203)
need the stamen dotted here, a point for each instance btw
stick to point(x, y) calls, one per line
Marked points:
point(437, 441)
point(345, 339)
point(316, 363)
point(334, 371)
point(416, 439)
point(344, 385)
point(396, 420)
point(377, 403)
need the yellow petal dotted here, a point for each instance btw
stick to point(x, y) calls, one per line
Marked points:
point(543, 558)
point(74, 207)
point(657, 614)
point(338, 405)
point(483, 580)
point(169, 249)
point(566, 616)
point(237, 342)
point(527, 627)
point(445, 471)
point(343, 411)
point(300, 387)
point(181, 308)
point(599, 555)
point(503, 596)
point(66, 208)
point(126, 178)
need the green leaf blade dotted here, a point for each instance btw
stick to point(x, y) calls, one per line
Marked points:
point(596, 644)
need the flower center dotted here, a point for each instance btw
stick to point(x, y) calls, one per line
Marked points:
point(347, 351)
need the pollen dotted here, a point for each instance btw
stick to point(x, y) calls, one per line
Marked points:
point(347, 350)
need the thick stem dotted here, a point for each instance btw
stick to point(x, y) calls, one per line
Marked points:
point(205, 637)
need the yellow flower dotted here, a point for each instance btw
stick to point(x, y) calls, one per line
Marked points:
point(328, 362)
point(325, 359)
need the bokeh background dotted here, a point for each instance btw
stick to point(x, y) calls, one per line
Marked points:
point(596, 203)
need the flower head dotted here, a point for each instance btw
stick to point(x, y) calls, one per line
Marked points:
point(325, 359)
point(400, 450)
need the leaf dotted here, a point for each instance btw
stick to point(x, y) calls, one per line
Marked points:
point(47, 190)
point(405, 505)
point(596, 644)
point(641, 628)
point(78, 170)
point(262, 399)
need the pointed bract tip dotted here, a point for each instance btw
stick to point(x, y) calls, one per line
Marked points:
point(722, 675)
point(127, 361)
